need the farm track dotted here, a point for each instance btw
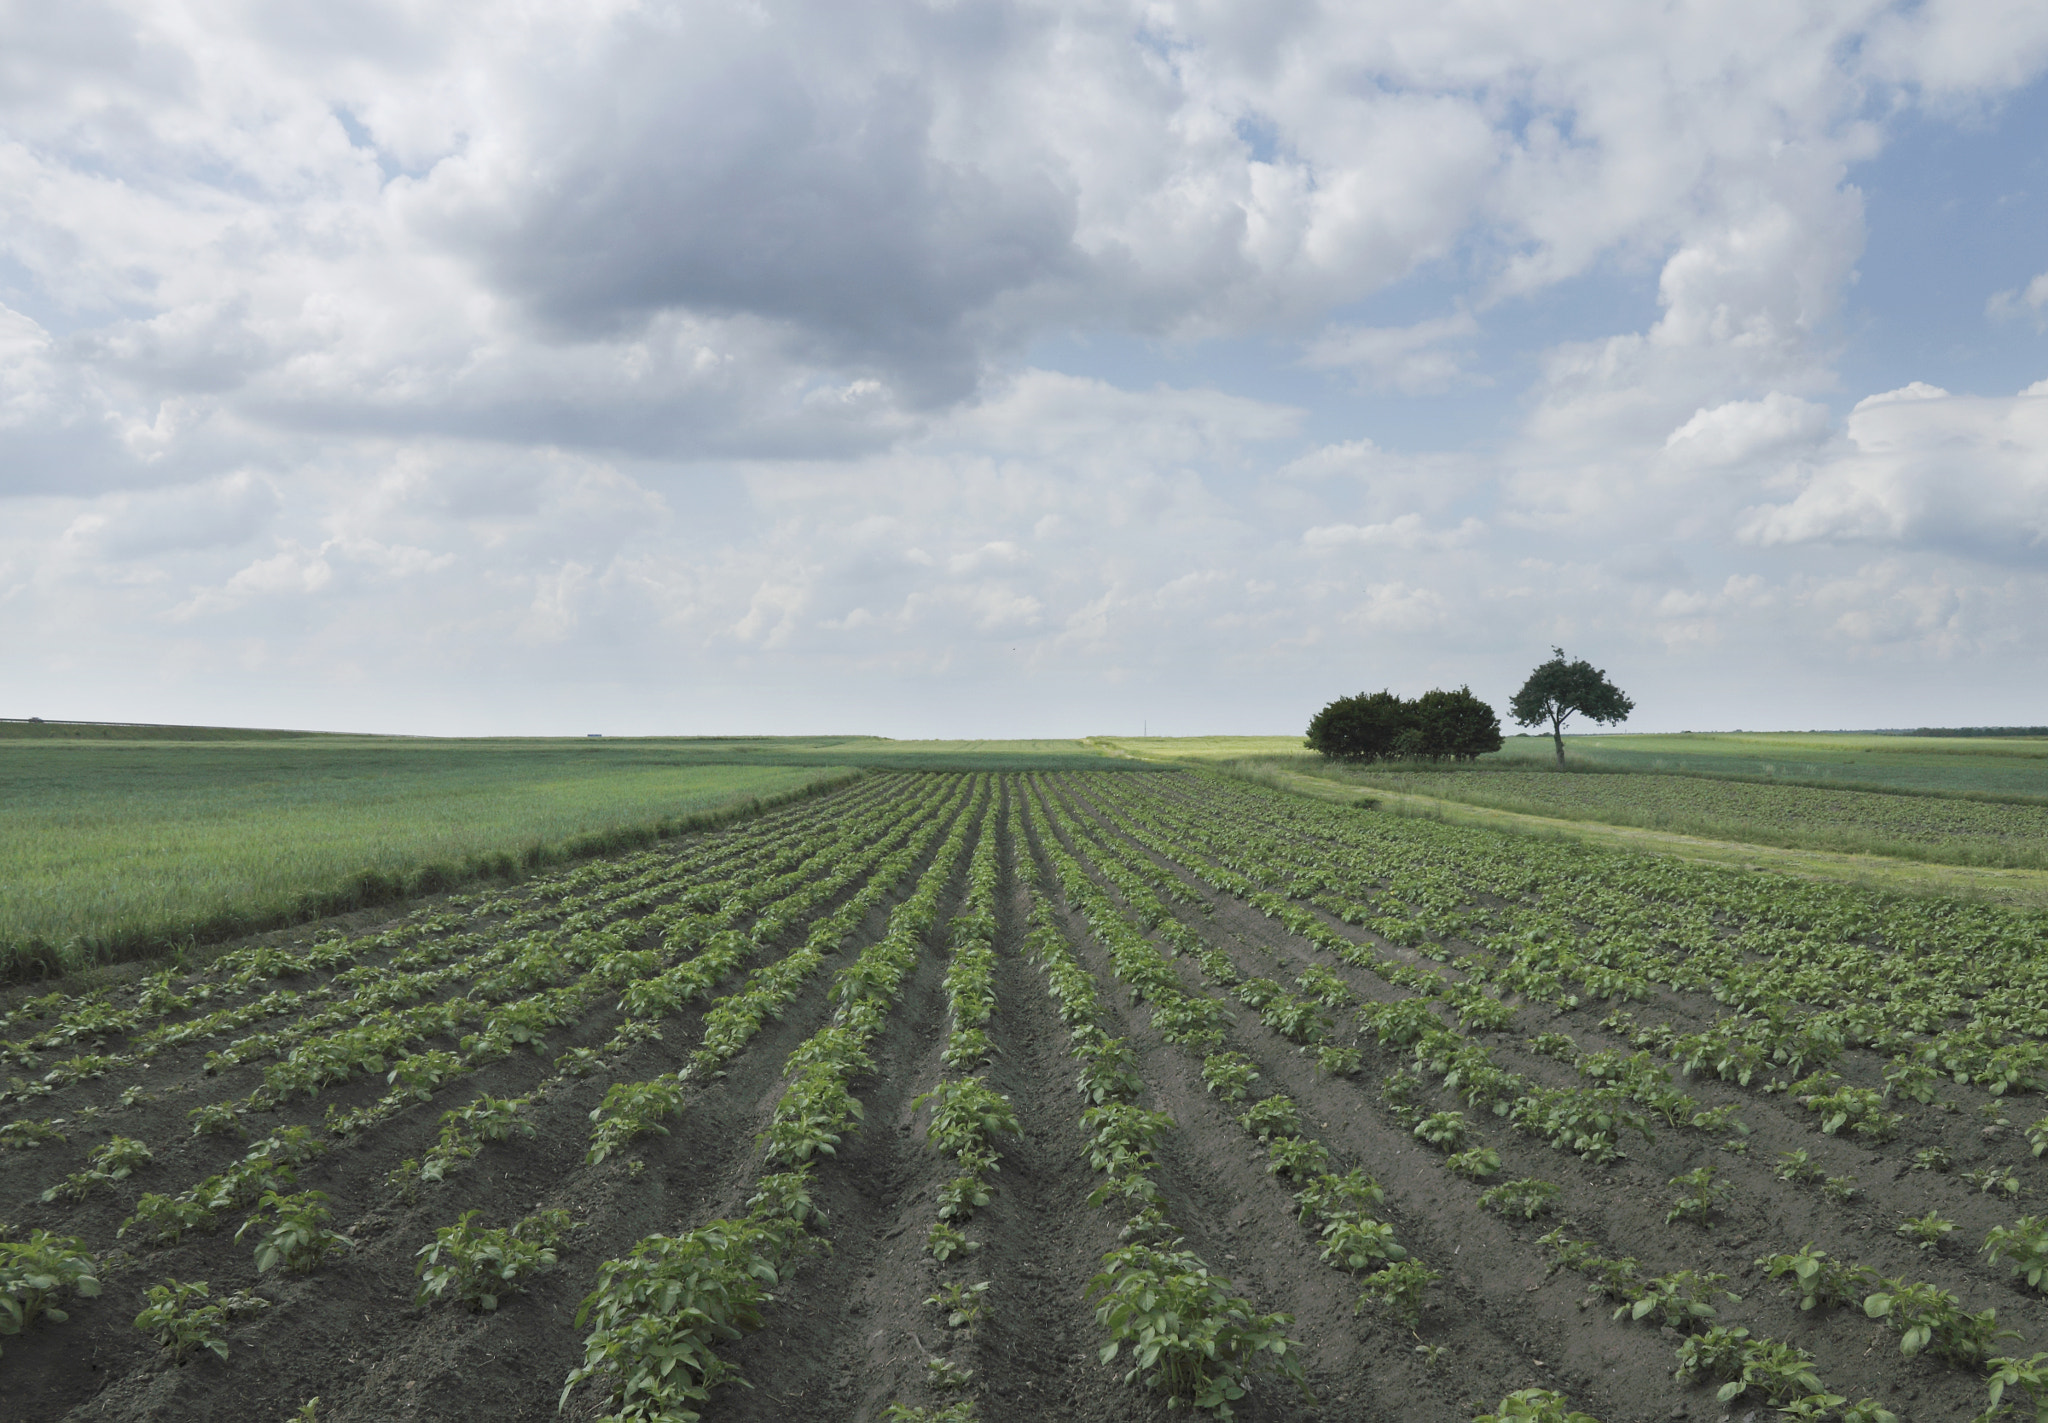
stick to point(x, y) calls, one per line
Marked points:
point(848, 1330)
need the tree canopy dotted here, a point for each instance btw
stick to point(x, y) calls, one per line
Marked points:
point(1380, 726)
point(1560, 689)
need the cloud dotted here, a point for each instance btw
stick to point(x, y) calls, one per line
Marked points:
point(2030, 301)
point(1409, 359)
point(1920, 468)
point(684, 354)
point(1743, 429)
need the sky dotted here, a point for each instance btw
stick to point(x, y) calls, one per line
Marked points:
point(945, 368)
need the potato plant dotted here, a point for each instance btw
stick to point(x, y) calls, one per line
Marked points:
point(1188, 1336)
point(183, 1318)
point(34, 1271)
point(478, 1265)
point(291, 1230)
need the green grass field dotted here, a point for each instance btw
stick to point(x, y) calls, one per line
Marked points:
point(120, 840)
point(1942, 800)
point(1958, 765)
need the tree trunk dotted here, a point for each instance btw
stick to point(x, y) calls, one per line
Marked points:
point(1557, 735)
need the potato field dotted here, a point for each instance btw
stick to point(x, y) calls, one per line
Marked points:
point(1067, 1095)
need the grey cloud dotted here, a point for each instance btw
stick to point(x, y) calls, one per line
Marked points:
point(749, 176)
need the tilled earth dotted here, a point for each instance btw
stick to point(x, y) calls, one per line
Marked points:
point(851, 1332)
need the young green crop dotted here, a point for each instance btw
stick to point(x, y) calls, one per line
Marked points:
point(1682, 1300)
point(1189, 1337)
point(185, 1317)
point(1474, 1165)
point(2002, 1179)
point(1524, 1199)
point(1358, 1242)
point(1701, 1200)
point(1819, 1280)
point(1447, 1131)
point(478, 1266)
point(1928, 1231)
point(1399, 1289)
point(1535, 1405)
point(1780, 1372)
point(2027, 1376)
point(292, 1231)
point(25, 1133)
point(1229, 1075)
point(32, 1271)
point(1929, 1318)
point(2024, 1244)
point(961, 1304)
point(1274, 1116)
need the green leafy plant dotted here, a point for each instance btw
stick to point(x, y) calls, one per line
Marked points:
point(945, 1241)
point(961, 1197)
point(966, 1113)
point(1682, 1300)
point(2024, 1244)
point(1525, 1199)
point(1339, 1061)
point(292, 1231)
point(1474, 1165)
point(1189, 1336)
point(1828, 1408)
point(1818, 1279)
point(1330, 1197)
point(113, 1160)
point(1779, 1371)
point(1702, 1197)
point(32, 1271)
point(1799, 1168)
point(1275, 1116)
point(2037, 1137)
point(24, 1134)
point(1298, 1158)
point(1358, 1242)
point(2002, 1179)
point(631, 1110)
point(1557, 1045)
point(1928, 1231)
point(1535, 1405)
point(945, 1376)
point(1927, 1317)
point(1109, 1069)
point(961, 1411)
point(1839, 1189)
point(1447, 1131)
point(1933, 1158)
point(1229, 1075)
point(2027, 1376)
point(168, 1217)
point(658, 1314)
point(961, 1304)
point(185, 1317)
point(1398, 1288)
point(478, 1266)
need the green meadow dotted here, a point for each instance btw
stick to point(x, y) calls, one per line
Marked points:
point(119, 841)
point(1978, 801)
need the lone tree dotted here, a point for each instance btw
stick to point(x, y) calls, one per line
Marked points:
point(1384, 727)
point(1559, 689)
